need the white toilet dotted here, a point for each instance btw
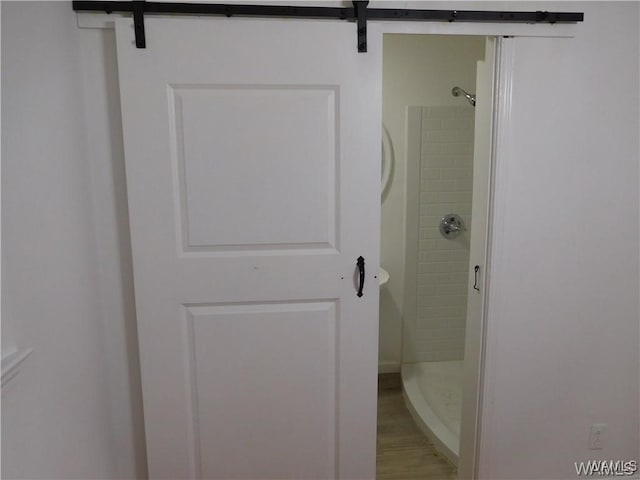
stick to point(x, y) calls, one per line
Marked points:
point(383, 276)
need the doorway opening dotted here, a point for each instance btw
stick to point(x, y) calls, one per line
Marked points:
point(433, 235)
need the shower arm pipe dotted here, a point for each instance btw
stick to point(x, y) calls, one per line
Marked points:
point(358, 13)
point(456, 91)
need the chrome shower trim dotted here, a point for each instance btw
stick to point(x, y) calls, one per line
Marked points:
point(457, 91)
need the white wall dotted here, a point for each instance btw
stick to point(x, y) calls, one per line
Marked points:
point(71, 412)
point(417, 70)
point(563, 327)
point(561, 293)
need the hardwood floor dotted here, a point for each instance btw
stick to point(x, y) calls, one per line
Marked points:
point(403, 451)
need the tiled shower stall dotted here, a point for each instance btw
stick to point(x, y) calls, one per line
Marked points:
point(440, 139)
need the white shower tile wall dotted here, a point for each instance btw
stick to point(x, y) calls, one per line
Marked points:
point(446, 177)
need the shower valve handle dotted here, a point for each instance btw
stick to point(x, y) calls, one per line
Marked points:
point(360, 264)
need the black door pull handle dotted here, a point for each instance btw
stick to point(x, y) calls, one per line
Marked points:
point(360, 264)
point(475, 277)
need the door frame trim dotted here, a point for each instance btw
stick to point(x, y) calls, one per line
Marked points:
point(470, 460)
point(500, 155)
point(470, 455)
point(470, 465)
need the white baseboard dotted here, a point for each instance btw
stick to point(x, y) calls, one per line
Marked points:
point(388, 367)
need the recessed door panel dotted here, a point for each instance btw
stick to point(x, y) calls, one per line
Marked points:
point(254, 149)
point(254, 401)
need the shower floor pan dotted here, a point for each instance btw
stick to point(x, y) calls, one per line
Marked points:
point(433, 394)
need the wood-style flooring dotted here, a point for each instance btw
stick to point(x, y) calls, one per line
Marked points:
point(404, 453)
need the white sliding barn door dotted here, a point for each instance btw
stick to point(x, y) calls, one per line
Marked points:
point(253, 171)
